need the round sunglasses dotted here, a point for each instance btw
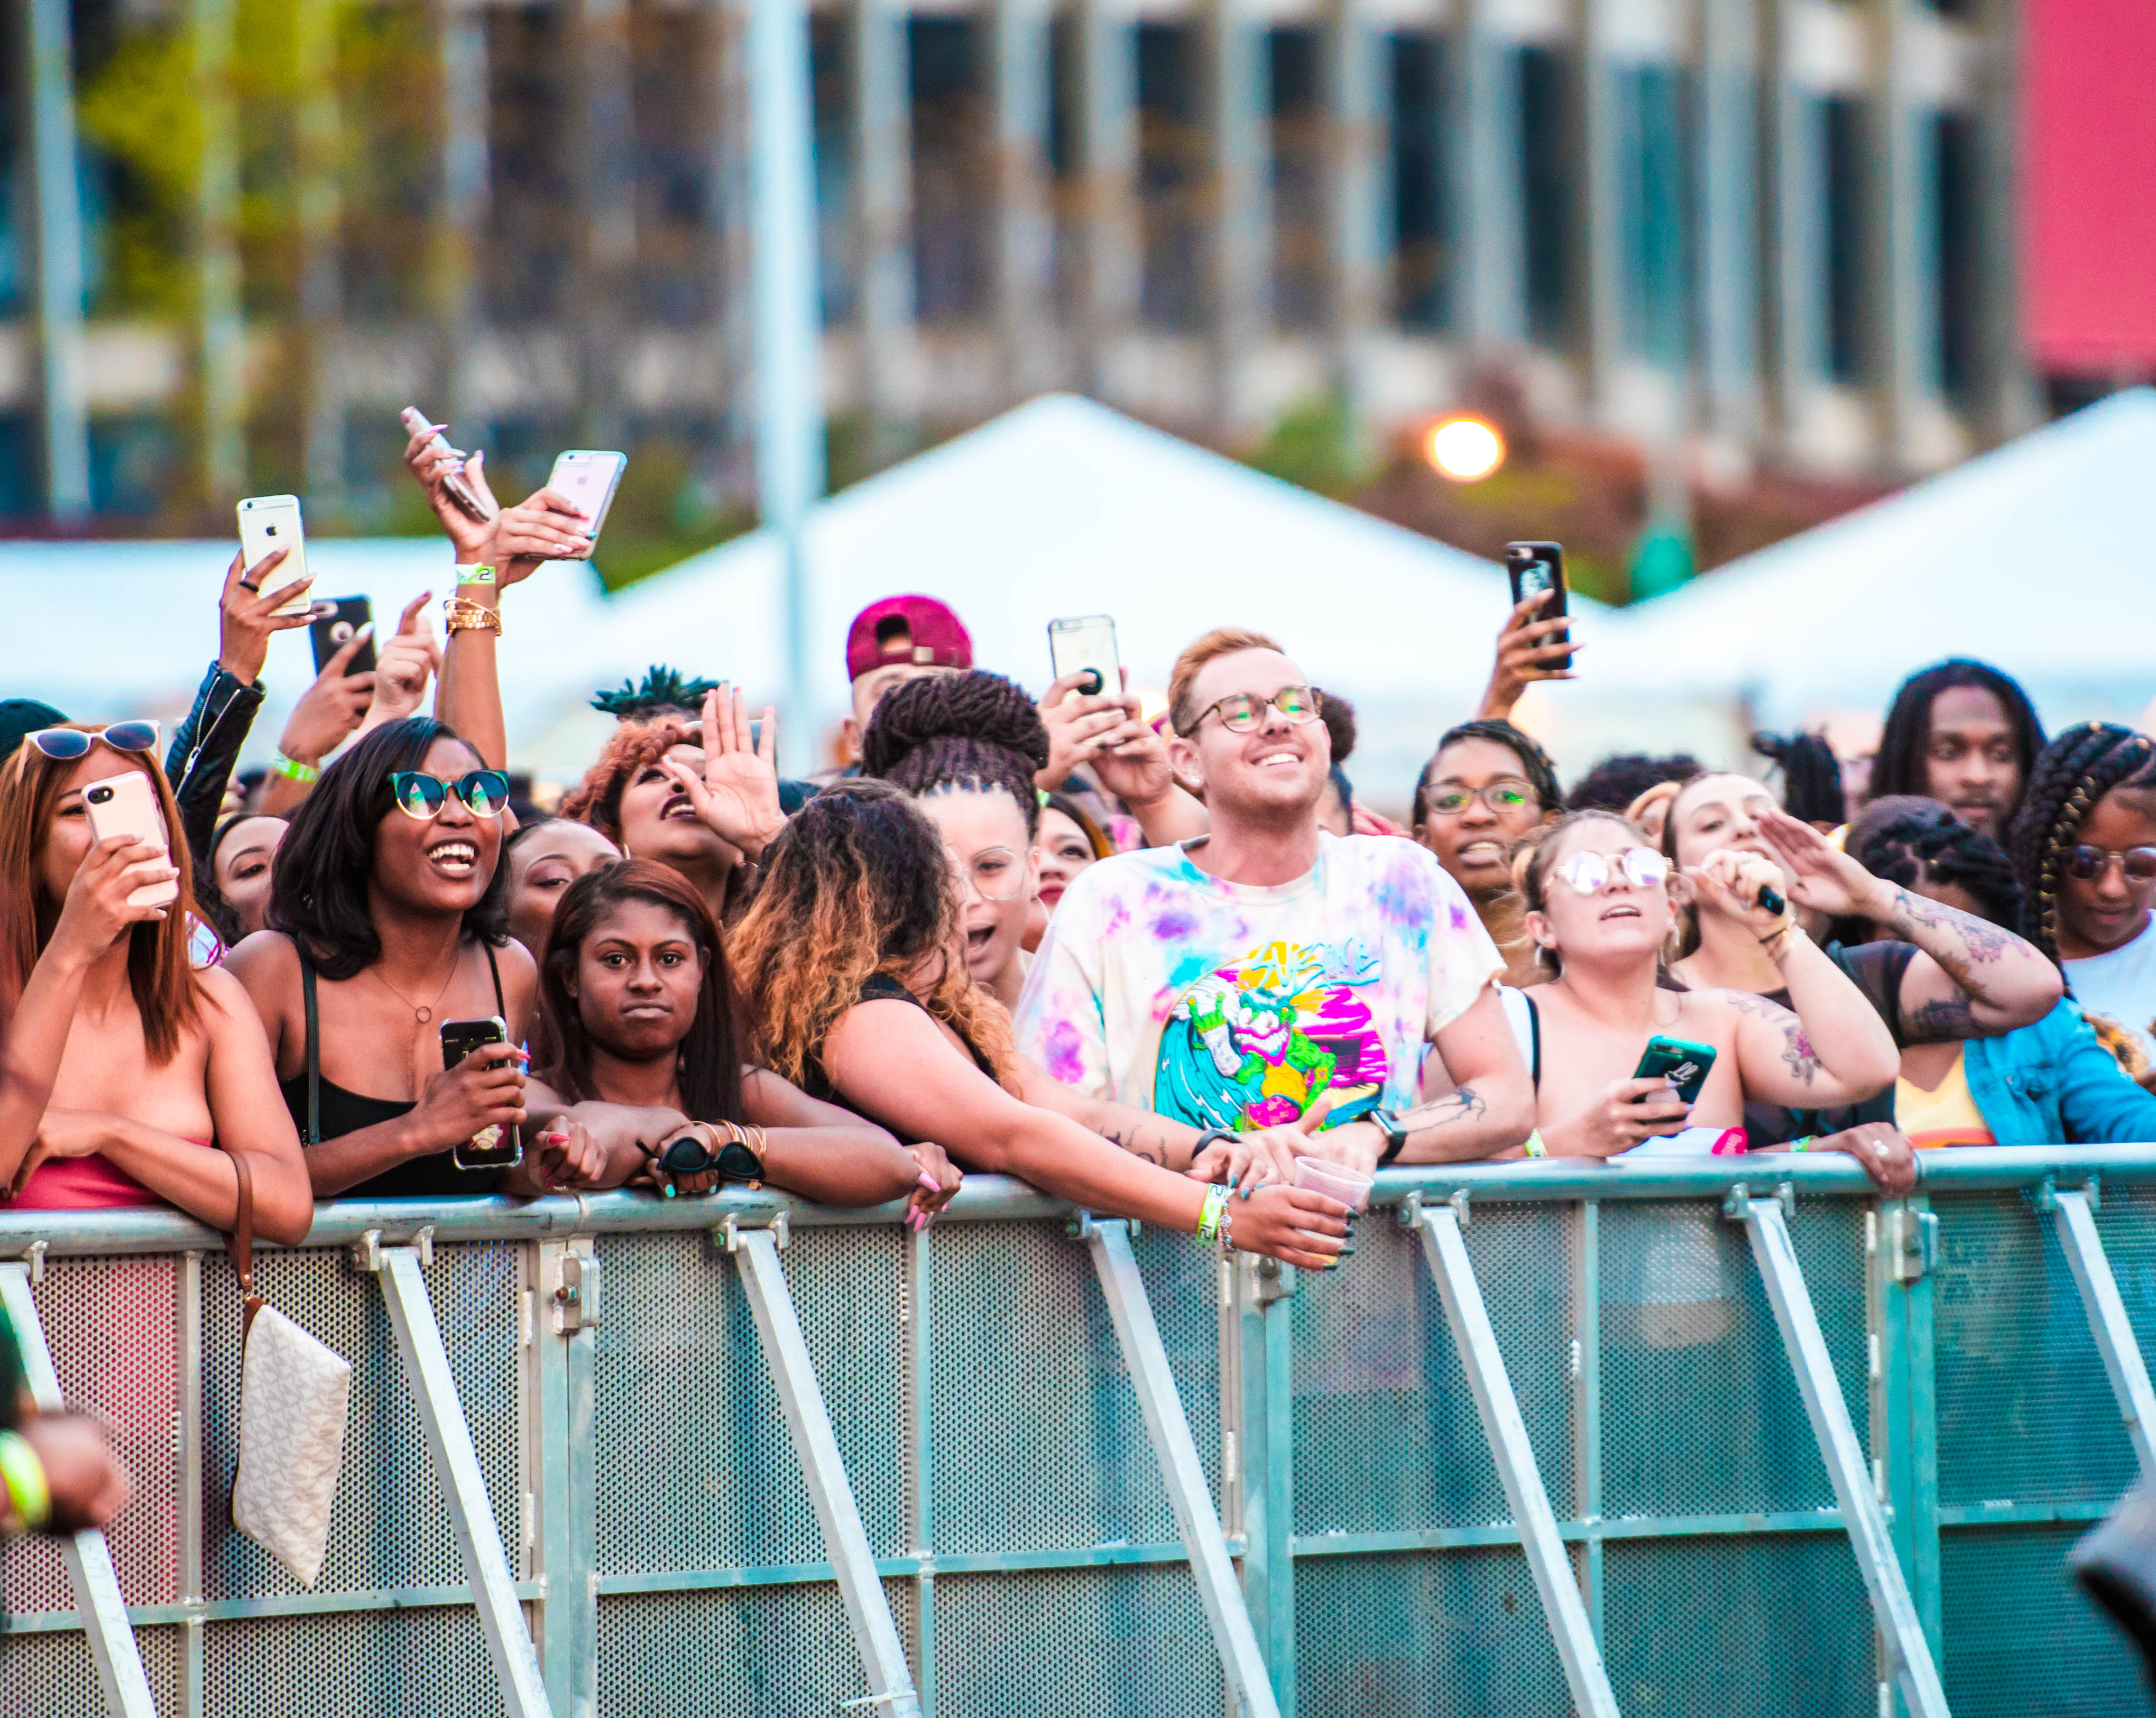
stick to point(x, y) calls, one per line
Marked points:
point(995, 873)
point(2085, 862)
point(485, 793)
point(63, 745)
point(1642, 867)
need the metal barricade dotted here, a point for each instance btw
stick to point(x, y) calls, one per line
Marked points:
point(1778, 1446)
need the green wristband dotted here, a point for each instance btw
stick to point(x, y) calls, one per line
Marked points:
point(1209, 1218)
point(475, 574)
point(292, 770)
point(29, 1498)
point(1535, 1147)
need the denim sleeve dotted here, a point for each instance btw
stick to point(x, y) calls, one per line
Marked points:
point(2098, 1103)
point(204, 751)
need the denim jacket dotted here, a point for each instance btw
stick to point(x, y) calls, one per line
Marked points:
point(203, 751)
point(2053, 1083)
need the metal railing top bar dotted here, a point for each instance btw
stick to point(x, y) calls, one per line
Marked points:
point(990, 1198)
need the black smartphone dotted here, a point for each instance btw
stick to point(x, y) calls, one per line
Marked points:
point(494, 1147)
point(331, 629)
point(1683, 1064)
point(1534, 568)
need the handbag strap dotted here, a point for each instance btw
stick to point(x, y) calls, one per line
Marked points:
point(239, 1244)
point(314, 1053)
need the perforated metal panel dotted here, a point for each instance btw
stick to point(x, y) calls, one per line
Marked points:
point(49, 1674)
point(349, 1662)
point(2021, 1638)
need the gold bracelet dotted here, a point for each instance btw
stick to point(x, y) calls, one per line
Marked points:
point(464, 615)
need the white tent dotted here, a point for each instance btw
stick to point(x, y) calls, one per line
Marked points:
point(1065, 507)
point(2038, 556)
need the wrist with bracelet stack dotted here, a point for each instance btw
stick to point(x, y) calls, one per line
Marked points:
point(462, 615)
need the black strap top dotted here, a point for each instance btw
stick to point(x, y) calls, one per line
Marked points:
point(879, 988)
point(322, 1110)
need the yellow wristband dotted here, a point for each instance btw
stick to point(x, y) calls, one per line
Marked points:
point(479, 574)
point(1535, 1147)
point(29, 1498)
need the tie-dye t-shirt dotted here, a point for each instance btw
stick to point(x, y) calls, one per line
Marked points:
point(1222, 1005)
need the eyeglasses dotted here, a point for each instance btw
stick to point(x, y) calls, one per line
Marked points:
point(1498, 797)
point(1590, 872)
point(993, 873)
point(1240, 712)
point(485, 793)
point(2087, 863)
point(65, 744)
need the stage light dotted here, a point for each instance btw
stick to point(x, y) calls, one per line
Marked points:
point(1465, 449)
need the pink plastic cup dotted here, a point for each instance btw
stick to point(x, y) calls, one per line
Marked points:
point(1334, 1180)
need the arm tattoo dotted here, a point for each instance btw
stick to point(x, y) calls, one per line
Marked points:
point(1957, 940)
point(1136, 1147)
point(1941, 1021)
point(1466, 1104)
point(1797, 1051)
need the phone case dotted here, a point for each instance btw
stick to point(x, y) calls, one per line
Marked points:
point(484, 1150)
point(330, 633)
point(1082, 641)
point(125, 805)
point(1540, 567)
point(1683, 1064)
point(589, 478)
point(268, 522)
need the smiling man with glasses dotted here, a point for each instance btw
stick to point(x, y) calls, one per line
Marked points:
point(1269, 970)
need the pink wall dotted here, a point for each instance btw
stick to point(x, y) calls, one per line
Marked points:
point(2089, 185)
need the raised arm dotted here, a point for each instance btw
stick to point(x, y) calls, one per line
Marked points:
point(1107, 732)
point(1527, 650)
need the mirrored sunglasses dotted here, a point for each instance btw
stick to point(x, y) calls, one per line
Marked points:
point(1590, 872)
point(63, 744)
point(485, 793)
point(2085, 862)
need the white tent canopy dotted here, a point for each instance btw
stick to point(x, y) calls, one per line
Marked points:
point(2039, 558)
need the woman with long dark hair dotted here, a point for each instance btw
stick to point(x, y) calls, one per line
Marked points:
point(127, 1067)
point(640, 1043)
point(389, 916)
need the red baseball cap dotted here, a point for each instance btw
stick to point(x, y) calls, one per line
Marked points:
point(915, 629)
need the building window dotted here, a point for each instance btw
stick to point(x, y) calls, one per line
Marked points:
point(1547, 186)
point(678, 212)
point(1957, 166)
point(1842, 155)
point(1172, 174)
point(1296, 77)
point(831, 78)
point(1066, 165)
point(953, 189)
point(1421, 258)
point(530, 216)
point(1652, 197)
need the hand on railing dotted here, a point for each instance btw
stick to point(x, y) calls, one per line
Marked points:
point(1291, 1224)
point(565, 1158)
point(1884, 1150)
point(940, 1181)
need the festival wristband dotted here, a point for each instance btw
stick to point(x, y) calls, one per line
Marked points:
point(1209, 1218)
point(29, 1498)
point(292, 770)
point(475, 574)
point(1804, 1144)
point(1535, 1147)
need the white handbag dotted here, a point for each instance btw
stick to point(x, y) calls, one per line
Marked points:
point(293, 1392)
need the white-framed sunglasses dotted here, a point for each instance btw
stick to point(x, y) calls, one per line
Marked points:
point(1590, 872)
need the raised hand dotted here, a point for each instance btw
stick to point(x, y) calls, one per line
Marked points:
point(1527, 650)
point(246, 614)
point(329, 710)
point(97, 909)
point(402, 666)
point(433, 468)
point(1821, 875)
point(1731, 882)
point(546, 527)
point(738, 794)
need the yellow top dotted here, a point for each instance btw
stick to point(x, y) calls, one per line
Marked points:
point(1947, 1117)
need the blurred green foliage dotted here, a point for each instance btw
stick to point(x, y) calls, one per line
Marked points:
point(1317, 445)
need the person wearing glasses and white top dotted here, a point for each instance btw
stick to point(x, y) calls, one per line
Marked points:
point(1269, 974)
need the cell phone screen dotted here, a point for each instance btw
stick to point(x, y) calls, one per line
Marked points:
point(1086, 644)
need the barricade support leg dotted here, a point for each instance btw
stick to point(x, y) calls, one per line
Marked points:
point(845, 1540)
point(2075, 1220)
point(1854, 1488)
point(89, 1558)
point(464, 1489)
point(1476, 1342)
point(1248, 1686)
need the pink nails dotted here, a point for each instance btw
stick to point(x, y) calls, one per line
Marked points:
point(930, 1183)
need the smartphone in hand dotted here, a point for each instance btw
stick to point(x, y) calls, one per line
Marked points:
point(1086, 644)
point(126, 804)
point(1534, 569)
point(492, 1148)
point(1683, 1064)
point(331, 631)
point(460, 490)
point(589, 479)
point(268, 522)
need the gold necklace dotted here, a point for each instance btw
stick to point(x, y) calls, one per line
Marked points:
point(421, 1014)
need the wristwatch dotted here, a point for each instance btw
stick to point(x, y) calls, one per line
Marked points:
point(1396, 1135)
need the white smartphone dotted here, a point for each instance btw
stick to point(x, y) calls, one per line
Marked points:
point(588, 479)
point(125, 805)
point(462, 493)
point(1086, 643)
point(268, 522)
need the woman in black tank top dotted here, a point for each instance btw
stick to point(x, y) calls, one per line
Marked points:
point(388, 918)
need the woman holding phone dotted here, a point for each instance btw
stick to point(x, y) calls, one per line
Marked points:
point(1601, 908)
point(389, 919)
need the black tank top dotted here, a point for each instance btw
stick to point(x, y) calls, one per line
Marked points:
point(879, 988)
point(322, 1110)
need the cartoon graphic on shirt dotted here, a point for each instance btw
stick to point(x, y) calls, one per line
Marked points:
point(1255, 1042)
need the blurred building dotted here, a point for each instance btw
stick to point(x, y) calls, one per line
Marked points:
point(1776, 230)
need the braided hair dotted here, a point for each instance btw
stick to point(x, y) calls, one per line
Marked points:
point(2070, 775)
point(1928, 843)
point(1534, 764)
point(1811, 776)
point(970, 729)
point(1899, 768)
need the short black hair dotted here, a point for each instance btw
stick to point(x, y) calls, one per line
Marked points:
point(1534, 764)
point(1898, 768)
point(318, 882)
point(1617, 780)
point(1811, 776)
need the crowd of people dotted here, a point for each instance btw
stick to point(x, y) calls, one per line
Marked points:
point(1156, 968)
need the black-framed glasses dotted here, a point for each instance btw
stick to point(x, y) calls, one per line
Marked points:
point(1240, 712)
point(2087, 862)
point(994, 873)
point(1590, 872)
point(1499, 797)
point(485, 793)
point(63, 745)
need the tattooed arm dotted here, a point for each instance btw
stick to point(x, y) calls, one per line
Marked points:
point(1492, 1109)
point(1829, 1048)
point(1969, 978)
point(1247, 1161)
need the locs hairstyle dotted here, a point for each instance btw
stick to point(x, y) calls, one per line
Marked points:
point(1931, 844)
point(1534, 764)
point(971, 730)
point(1899, 765)
point(711, 1058)
point(2070, 774)
point(1811, 776)
point(318, 881)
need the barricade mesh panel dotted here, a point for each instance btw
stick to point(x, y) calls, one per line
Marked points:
point(389, 1526)
point(1425, 1635)
point(2025, 1412)
point(1039, 1443)
point(1183, 1287)
point(1701, 1412)
point(112, 1326)
point(756, 1652)
point(50, 1674)
point(1775, 1626)
point(2125, 1219)
point(1387, 1434)
point(697, 1468)
point(1120, 1643)
point(2020, 1638)
point(351, 1665)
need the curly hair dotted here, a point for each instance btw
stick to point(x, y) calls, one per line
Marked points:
point(1535, 852)
point(2070, 775)
point(1899, 767)
point(857, 886)
point(1618, 780)
point(630, 750)
point(1811, 776)
point(1534, 764)
point(971, 730)
point(1928, 843)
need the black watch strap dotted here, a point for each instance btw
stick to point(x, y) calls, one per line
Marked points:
point(1211, 1136)
point(1396, 1135)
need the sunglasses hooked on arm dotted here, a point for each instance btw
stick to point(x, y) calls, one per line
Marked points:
point(485, 793)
